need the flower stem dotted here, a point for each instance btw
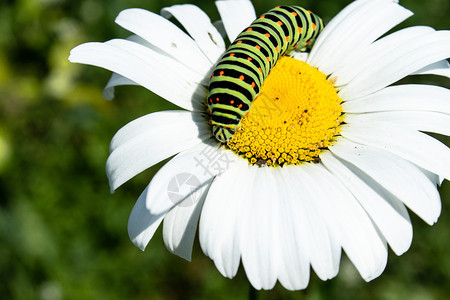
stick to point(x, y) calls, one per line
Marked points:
point(252, 293)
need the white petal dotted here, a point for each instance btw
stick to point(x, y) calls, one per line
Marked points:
point(167, 37)
point(170, 73)
point(377, 51)
point(349, 223)
point(417, 147)
point(219, 223)
point(399, 177)
point(406, 59)
point(162, 193)
point(322, 248)
point(259, 253)
point(302, 56)
point(221, 28)
point(236, 16)
point(293, 239)
point(143, 222)
point(388, 213)
point(115, 80)
point(331, 29)
point(145, 70)
point(150, 139)
point(441, 68)
point(364, 22)
point(180, 224)
point(417, 120)
point(200, 28)
point(403, 97)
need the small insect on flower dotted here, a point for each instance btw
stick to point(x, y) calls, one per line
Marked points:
point(261, 162)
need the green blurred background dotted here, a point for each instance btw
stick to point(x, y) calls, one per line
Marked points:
point(63, 235)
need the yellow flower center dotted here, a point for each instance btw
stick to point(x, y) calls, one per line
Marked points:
point(295, 116)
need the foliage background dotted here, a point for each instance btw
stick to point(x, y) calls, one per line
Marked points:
point(63, 235)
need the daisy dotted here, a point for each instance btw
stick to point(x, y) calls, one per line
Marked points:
point(340, 156)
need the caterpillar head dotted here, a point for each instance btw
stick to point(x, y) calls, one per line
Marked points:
point(223, 134)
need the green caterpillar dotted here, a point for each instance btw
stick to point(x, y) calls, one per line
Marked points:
point(239, 75)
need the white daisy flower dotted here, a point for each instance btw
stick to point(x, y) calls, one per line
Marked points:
point(361, 155)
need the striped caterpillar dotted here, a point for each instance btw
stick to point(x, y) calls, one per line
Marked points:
point(239, 75)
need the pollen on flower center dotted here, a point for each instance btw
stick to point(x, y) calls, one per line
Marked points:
point(296, 114)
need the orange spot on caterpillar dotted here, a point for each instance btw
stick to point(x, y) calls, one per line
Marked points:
point(258, 47)
point(262, 17)
point(277, 6)
point(249, 58)
point(294, 13)
point(249, 29)
point(238, 42)
point(276, 48)
point(221, 73)
point(253, 84)
point(267, 35)
point(240, 106)
point(313, 25)
point(232, 54)
point(210, 100)
point(260, 70)
point(280, 23)
point(217, 99)
point(300, 30)
point(268, 59)
point(309, 12)
point(287, 38)
point(231, 101)
point(241, 77)
point(212, 75)
point(309, 42)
